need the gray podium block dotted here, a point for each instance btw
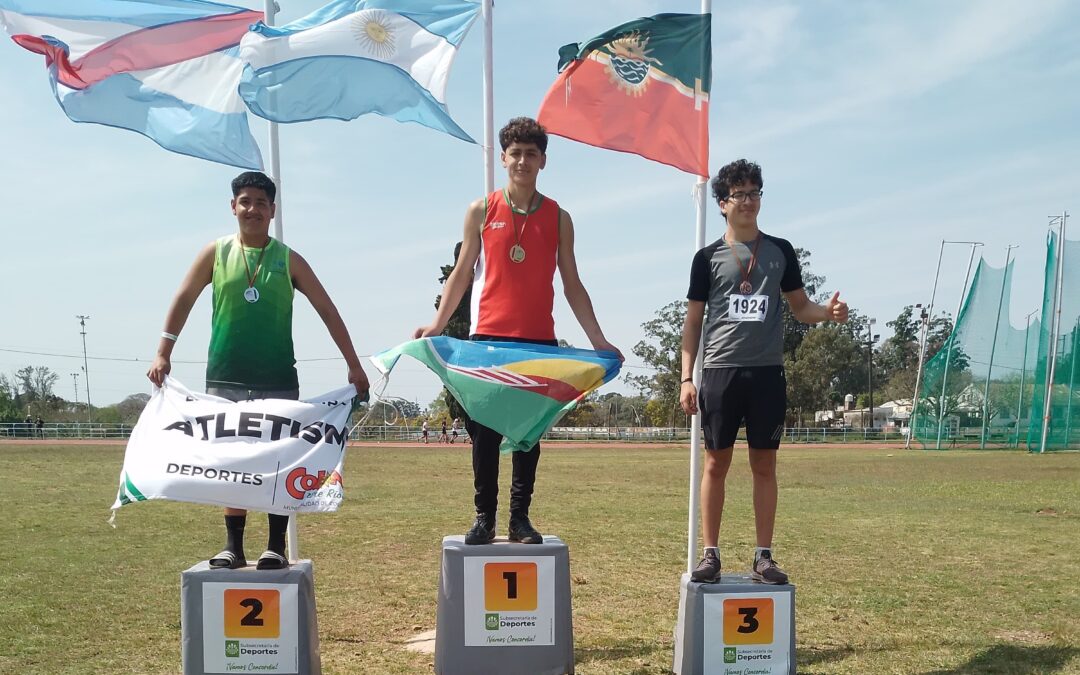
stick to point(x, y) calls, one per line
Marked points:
point(735, 626)
point(504, 609)
point(232, 620)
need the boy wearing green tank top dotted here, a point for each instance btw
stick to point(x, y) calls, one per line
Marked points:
point(251, 347)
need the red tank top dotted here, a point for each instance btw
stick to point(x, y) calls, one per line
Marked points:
point(515, 299)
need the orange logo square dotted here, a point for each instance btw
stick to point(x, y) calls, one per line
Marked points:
point(510, 587)
point(252, 613)
point(748, 621)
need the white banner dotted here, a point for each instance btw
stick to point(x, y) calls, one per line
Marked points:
point(267, 455)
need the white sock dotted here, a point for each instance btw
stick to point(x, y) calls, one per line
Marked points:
point(714, 549)
point(759, 549)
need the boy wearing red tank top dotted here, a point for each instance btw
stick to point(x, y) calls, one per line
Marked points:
point(514, 240)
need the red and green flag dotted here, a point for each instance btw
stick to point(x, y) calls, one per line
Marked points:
point(642, 87)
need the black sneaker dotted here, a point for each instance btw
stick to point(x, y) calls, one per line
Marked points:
point(708, 570)
point(766, 571)
point(482, 531)
point(521, 530)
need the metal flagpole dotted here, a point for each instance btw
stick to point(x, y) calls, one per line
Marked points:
point(949, 348)
point(922, 350)
point(1072, 382)
point(925, 335)
point(270, 9)
point(489, 104)
point(695, 424)
point(1055, 325)
point(993, 346)
point(1023, 373)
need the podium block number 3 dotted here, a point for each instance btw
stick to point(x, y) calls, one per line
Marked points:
point(252, 613)
point(748, 621)
point(510, 587)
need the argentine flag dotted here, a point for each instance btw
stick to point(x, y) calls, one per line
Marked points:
point(354, 57)
point(167, 69)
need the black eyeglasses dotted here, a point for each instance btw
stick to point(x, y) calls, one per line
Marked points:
point(740, 197)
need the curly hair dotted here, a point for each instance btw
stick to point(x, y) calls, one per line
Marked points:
point(254, 179)
point(738, 172)
point(523, 130)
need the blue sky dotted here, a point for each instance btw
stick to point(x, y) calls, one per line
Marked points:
point(882, 128)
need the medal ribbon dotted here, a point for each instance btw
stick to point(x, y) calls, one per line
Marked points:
point(753, 259)
point(258, 263)
point(513, 220)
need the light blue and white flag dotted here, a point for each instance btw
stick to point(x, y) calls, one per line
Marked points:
point(353, 57)
point(167, 69)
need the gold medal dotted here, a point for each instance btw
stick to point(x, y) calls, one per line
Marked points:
point(517, 254)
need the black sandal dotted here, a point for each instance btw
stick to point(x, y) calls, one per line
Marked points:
point(271, 560)
point(228, 560)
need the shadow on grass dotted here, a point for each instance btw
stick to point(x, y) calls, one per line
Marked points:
point(645, 650)
point(806, 658)
point(1015, 660)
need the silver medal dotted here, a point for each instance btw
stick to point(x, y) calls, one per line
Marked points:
point(251, 294)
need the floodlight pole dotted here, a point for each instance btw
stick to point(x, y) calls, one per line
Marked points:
point(1023, 372)
point(993, 346)
point(86, 366)
point(1055, 324)
point(949, 344)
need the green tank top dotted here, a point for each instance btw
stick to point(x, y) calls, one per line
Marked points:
point(251, 343)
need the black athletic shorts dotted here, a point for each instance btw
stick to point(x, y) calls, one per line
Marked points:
point(755, 395)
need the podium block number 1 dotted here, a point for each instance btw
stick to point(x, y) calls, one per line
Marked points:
point(510, 587)
point(252, 613)
point(748, 621)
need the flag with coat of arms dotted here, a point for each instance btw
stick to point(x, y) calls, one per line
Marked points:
point(641, 87)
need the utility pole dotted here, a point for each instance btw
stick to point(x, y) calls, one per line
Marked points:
point(75, 379)
point(86, 368)
point(871, 339)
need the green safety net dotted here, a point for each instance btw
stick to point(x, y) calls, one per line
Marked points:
point(1062, 414)
point(987, 386)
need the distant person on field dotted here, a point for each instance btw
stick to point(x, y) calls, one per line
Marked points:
point(254, 277)
point(424, 432)
point(40, 428)
point(735, 288)
point(443, 438)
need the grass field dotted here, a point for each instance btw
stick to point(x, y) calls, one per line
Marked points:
point(905, 561)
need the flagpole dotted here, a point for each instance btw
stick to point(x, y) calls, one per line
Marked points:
point(270, 9)
point(489, 105)
point(695, 424)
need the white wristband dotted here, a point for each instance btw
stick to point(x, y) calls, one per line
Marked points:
point(169, 336)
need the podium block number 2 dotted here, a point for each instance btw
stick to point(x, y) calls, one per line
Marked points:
point(252, 613)
point(510, 587)
point(748, 621)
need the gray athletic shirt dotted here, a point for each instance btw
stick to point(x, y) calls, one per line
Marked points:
point(715, 275)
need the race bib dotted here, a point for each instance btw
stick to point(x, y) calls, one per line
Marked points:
point(747, 307)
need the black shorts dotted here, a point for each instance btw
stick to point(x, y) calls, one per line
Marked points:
point(755, 395)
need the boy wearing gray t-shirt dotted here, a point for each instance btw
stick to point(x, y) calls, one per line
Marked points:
point(735, 288)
